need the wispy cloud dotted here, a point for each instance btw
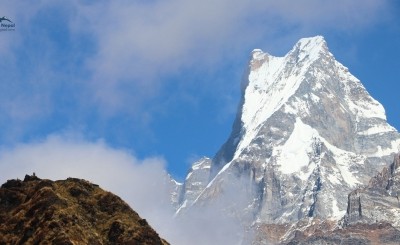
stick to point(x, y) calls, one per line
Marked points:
point(140, 182)
point(339, 15)
point(119, 57)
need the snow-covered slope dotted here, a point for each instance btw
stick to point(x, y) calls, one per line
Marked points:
point(307, 132)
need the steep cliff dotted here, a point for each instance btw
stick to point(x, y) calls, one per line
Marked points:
point(379, 201)
point(372, 217)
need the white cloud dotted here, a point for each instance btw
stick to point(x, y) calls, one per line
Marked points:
point(141, 183)
point(137, 38)
point(139, 43)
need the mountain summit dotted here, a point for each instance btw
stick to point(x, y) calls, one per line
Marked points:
point(306, 134)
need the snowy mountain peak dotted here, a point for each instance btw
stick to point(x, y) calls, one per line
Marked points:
point(258, 55)
point(309, 49)
point(306, 48)
point(256, 51)
point(273, 80)
point(311, 44)
point(307, 132)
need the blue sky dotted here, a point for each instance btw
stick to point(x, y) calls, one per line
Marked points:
point(161, 79)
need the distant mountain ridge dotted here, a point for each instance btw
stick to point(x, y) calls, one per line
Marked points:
point(307, 133)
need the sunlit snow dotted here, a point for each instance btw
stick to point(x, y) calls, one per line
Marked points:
point(270, 87)
point(294, 153)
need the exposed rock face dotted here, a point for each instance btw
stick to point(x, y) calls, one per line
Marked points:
point(360, 234)
point(307, 133)
point(321, 232)
point(379, 201)
point(174, 189)
point(195, 182)
point(372, 218)
point(71, 211)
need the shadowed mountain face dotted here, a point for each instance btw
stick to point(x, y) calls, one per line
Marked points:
point(71, 211)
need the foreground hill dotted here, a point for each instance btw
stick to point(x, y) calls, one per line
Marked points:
point(71, 211)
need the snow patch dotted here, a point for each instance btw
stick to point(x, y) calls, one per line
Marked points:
point(188, 176)
point(294, 154)
point(334, 179)
point(336, 212)
point(343, 160)
point(378, 129)
point(395, 144)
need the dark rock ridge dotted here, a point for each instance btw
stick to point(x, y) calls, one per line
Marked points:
point(71, 211)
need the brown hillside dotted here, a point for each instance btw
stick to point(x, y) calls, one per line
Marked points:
point(71, 211)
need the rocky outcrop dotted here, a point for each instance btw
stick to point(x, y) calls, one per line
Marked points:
point(174, 189)
point(360, 234)
point(195, 182)
point(71, 211)
point(326, 232)
point(372, 217)
point(379, 201)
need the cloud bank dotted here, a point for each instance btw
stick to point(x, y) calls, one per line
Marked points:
point(62, 156)
point(141, 183)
